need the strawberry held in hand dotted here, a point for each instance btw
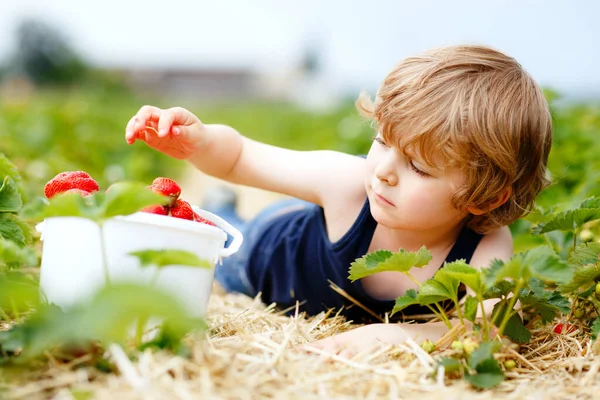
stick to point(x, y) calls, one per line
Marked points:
point(66, 181)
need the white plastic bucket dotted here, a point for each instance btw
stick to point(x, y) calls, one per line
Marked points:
point(72, 270)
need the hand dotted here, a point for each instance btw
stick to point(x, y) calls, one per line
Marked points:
point(363, 339)
point(176, 131)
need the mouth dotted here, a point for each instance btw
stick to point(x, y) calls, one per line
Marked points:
point(382, 199)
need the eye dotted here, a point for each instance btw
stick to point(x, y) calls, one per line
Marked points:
point(418, 171)
point(380, 140)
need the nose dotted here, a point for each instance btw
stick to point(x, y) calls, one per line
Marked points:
point(387, 171)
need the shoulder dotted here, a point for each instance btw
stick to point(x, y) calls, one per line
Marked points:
point(497, 244)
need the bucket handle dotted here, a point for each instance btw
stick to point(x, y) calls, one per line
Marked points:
point(238, 238)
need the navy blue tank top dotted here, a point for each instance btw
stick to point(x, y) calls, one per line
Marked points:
point(294, 261)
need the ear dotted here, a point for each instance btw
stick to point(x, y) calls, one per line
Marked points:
point(503, 198)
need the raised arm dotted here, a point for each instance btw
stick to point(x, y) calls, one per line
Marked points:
point(222, 152)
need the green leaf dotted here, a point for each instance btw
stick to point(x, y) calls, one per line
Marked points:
point(409, 299)
point(464, 273)
point(589, 210)
point(11, 229)
point(540, 262)
point(544, 302)
point(10, 198)
point(432, 291)
point(500, 270)
point(515, 330)
point(595, 329)
point(124, 198)
point(489, 374)
point(545, 264)
point(484, 352)
point(120, 304)
point(499, 290)
point(383, 260)
point(163, 258)
point(68, 205)
point(450, 364)
point(18, 291)
point(13, 255)
point(471, 305)
point(583, 277)
point(585, 253)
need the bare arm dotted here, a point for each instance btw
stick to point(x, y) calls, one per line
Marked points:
point(222, 152)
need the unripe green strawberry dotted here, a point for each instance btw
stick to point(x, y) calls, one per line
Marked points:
point(457, 345)
point(470, 345)
point(598, 289)
point(428, 346)
point(510, 364)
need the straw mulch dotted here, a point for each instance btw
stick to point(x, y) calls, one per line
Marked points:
point(250, 353)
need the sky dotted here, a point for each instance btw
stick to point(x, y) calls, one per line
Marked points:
point(558, 42)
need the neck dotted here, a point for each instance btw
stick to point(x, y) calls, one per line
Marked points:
point(411, 240)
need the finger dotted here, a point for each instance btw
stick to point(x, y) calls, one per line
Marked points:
point(165, 123)
point(145, 115)
point(172, 119)
point(129, 134)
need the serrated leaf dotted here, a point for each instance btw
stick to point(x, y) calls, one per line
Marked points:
point(432, 291)
point(589, 210)
point(124, 198)
point(409, 299)
point(544, 302)
point(11, 230)
point(540, 262)
point(464, 273)
point(500, 270)
point(163, 258)
point(383, 260)
point(10, 198)
point(584, 253)
point(499, 290)
point(582, 278)
point(470, 308)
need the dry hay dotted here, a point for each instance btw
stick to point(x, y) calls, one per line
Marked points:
point(250, 353)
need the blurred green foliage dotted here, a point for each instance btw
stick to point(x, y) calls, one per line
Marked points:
point(83, 129)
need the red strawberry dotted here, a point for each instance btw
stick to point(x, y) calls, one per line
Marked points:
point(157, 209)
point(70, 180)
point(182, 209)
point(563, 328)
point(198, 218)
point(166, 187)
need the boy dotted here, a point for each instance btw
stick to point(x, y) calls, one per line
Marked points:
point(463, 136)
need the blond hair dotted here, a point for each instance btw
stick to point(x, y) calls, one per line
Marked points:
point(482, 113)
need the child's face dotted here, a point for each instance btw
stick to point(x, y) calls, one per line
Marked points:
point(405, 193)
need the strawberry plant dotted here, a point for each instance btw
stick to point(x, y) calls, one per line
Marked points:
point(525, 280)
